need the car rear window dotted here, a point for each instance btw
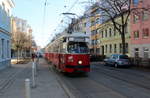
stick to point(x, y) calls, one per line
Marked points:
point(123, 57)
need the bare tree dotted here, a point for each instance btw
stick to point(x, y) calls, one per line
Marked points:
point(110, 9)
point(20, 41)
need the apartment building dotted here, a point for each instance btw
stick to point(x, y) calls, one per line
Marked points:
point(140, 29)
point(5, 31)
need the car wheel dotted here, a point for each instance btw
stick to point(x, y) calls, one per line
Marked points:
point(116, 65)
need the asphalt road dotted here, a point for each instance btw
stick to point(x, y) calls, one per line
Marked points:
point(108, 82)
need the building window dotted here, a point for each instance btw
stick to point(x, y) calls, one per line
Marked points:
point(8, 49)
point(145, 15)
point(136, 52)
point(97, 21)
point(110, 32)
point(136, 34)
point(97, 50)
point(0, 48)
point(145, 33)
point(146, 53)
point(92, 42)
point(120, 47)
point(84, 24)
point(3, 6)
point(3, 48)
point(105, 48)
point(92, 23)
point(115, 48)
point(110, 48)
point(127, 47)
point(106, 33)
point(102, 34)
point(114, 31)
point(135, 18)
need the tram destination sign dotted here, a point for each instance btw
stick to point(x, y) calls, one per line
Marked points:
point(77, 39)
point(80, 39)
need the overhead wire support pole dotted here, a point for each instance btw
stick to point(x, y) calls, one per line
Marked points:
point(45, 5)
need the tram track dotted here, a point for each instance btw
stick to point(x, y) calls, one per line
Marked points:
point(126, 77)
point(103, 80)
point(133, 72)
point(85, 87)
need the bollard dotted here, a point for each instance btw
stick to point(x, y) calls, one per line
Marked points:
point(35, 68)
point(33, 75)
point(27, 88)
point(37, 64)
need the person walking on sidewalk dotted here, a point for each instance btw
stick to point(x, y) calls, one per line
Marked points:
point(33, 56)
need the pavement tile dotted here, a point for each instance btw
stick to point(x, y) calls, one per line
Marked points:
point(47, 85)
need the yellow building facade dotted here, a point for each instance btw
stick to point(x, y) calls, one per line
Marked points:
point(110, 39)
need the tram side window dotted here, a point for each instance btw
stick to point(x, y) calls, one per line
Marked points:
point(62, 48)
point(77, 47)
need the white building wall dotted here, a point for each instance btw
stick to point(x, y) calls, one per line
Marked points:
point(141, 50)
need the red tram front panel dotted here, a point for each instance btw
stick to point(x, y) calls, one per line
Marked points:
point(75, 63)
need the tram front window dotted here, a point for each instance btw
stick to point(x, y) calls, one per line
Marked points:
point(77, 47)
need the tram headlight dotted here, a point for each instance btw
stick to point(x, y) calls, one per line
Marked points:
point(79, 62)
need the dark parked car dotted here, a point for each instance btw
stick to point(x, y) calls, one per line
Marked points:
point(118, 60)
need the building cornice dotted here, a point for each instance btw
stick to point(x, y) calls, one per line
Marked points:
point(4, 31)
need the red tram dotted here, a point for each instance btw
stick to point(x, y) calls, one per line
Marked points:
point(69, 53)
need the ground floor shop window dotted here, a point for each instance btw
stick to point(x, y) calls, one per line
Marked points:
point(127, 47)
point(3, 48)
point(146, 53)
point(136, 52)
point(115, 48)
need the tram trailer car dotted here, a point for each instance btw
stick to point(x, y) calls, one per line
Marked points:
point(69, 53)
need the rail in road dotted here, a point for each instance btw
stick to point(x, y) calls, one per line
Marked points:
point(126, 76)
point(104, 81)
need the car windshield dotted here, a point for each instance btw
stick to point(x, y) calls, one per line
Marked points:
point(77, 47)
point(123, 57)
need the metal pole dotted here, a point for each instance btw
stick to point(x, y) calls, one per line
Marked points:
point(33, 75)
point(27, 88)
point(37, 64)
point(35, 67)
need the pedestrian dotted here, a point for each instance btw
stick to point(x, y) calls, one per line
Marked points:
point(33, 56)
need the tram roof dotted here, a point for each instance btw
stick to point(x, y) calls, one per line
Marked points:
point(76, 34)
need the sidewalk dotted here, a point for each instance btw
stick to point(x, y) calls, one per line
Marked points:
point(47, 85)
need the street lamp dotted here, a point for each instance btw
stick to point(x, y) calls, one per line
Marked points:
point(67, 13)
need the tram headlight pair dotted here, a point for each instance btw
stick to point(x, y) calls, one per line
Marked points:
point(79, 62)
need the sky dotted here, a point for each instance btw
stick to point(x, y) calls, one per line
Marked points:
point(46, 20)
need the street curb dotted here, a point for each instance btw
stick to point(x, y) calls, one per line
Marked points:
point(67, 91)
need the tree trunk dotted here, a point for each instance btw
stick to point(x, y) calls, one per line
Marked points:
point(17, 55)
point(123, 40)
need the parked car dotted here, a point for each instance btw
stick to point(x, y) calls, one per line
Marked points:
point(118, 60)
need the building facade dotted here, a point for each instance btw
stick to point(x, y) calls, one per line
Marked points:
point(94, 25)
point(110, 39)
point(5, 32)
point(140, 30)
